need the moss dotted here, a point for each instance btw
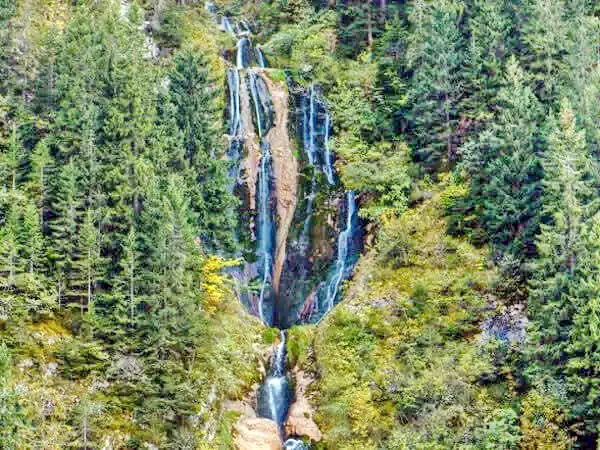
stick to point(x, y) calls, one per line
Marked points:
point(298, 343)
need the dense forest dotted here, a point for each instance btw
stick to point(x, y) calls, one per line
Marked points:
point(159, 199)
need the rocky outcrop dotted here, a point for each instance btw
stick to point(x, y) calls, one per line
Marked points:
point(300, 417)
point(253, 433)
point(252, 146)
point(285, 171)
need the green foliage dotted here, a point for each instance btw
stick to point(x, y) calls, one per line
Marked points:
point(437, 89)
point(503, 162)
point(565, 283)
point(397, 364)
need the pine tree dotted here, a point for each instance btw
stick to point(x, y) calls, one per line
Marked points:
point(582, 353)
point(33, 239)
point(504, 165)
point(437, 89)
point(64, 227)
point(193, 96)
point(89, 266)
point(561, 271)
point(582, 85)
point(544, 34)
point(10, 245)
point(490, 28)
point(41, 166)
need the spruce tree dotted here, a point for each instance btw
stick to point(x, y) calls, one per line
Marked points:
point(504, 165)
point(544, 34)
point(566, 268)
point(66, 209)
point(193, 95)
point(437, 89)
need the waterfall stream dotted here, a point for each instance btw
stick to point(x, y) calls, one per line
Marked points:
point(274, 395)
point(255, 167)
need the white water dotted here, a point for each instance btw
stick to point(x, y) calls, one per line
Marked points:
point(275, 393)
point(241, 59)
point(344, 240)
point(262, 62)
point(226, 26)
point(327, 157)
point(265, 229)
point(294, 444)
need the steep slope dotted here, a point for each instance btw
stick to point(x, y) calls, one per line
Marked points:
point(401, 363)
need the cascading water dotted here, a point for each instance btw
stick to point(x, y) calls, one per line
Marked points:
point(262, 61)
point(243, 53)
point(294, 444)
point(251, 103)
point(327, 156)
point(235, 127)
point(265, 231)
point(274, 395)
point(344, 261)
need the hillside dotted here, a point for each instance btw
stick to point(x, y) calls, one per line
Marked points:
point(299, 224)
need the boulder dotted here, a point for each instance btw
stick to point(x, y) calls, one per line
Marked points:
point(300, 422)
point(300, 417)
point(253, 433)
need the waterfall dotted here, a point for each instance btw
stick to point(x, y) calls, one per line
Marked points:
point(235, 127)
point(233, 84)
point(243, 49)
point(226, 26)
point(312, 117)
point(253, 97)
point(262, 62)
point(342, 264)
point(327, 157)
point(265, 230)
point(275, 395)
point(257, 102)
point(294, 444)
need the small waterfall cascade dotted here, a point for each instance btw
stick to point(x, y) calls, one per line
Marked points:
point(345, 260)
point(294, 444)
point(274, 395)
point(265, 231)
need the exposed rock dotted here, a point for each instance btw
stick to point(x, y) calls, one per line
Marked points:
point(50, 369)
point(27, 363)
point(240, 406)
point(251, 144)
point(300, 417)
point(285, 171)
point(256, 434)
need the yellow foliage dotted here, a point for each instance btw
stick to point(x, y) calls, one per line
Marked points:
point(543, 424)
point(214, 283)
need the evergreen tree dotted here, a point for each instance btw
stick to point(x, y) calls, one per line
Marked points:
point(490, 28)
point(544, 33)
point(64, 226)
point(504, 165)
point(33, 239)
point(194, 99)
point(565, 271)
point(437, 89)
point(10, 245)
point(89, 266)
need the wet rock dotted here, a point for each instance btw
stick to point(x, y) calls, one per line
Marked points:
point(298, 424)
point(300, 417)
point(256, 434)
point(241, 407)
